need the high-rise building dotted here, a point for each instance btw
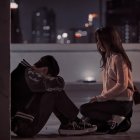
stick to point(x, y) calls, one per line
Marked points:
point(125, 15)
point(43, 26)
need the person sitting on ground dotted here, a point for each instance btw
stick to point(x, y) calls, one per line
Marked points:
point(112, 110)
point(36, 92)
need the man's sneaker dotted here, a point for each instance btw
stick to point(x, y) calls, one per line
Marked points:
point(75, 128)
point(86, 125)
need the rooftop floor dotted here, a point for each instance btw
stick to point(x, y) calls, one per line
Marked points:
point(79, 94)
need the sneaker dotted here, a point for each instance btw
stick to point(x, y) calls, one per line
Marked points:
point(75, 128)
point(102, 126)
point(86, 125)
point(125, 125)
point(122, 127)
point(114, 124)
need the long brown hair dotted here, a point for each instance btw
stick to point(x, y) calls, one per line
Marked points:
point(111, 42)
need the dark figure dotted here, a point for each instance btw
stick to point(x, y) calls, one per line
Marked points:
point(36, 92)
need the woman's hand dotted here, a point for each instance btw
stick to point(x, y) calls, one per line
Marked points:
point(93, 99)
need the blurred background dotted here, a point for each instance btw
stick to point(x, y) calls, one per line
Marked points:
point(65, 29)
point(61, 21)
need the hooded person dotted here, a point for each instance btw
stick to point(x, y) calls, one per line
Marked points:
point(36, 92)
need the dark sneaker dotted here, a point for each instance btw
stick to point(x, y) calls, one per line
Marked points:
point(77, 129)
point(114, 123)
point(86, 125)
point(122, 127)
point(102, 126)
point(125, 125)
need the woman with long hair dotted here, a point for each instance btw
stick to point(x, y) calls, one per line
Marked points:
point(114, 104)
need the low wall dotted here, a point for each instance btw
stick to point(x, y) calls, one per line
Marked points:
point(77, 61)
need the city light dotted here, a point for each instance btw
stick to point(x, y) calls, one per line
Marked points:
point(90, 18)
point(86, 25)
point(59, 37)
point(80, 33)
point(13, 4)
point(65, 35)
point(46, 27)
point(38, 14)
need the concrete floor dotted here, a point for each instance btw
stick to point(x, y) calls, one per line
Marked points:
point(79, 94)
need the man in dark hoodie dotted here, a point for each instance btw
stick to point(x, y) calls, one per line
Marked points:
point(36, 92)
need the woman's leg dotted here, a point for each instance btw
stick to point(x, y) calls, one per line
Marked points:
point(99, 113)
point(105, 110)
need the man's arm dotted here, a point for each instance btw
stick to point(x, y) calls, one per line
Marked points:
point(38, 83)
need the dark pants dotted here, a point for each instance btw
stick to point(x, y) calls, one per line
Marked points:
point(103, 111)
point(56, 102)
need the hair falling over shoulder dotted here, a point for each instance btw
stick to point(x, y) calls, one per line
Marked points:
point(110, 40)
